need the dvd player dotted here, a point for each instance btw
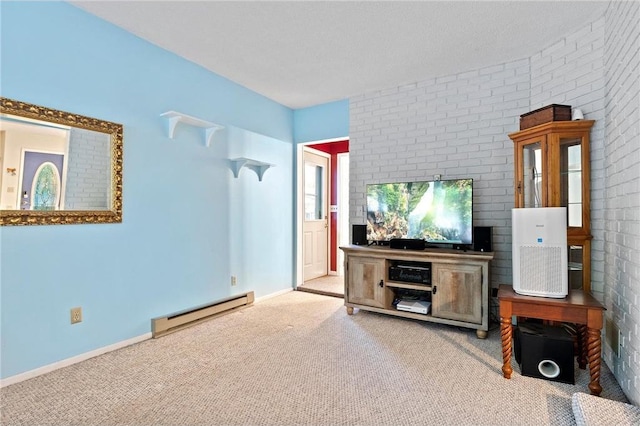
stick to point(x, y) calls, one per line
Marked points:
point(417, 306)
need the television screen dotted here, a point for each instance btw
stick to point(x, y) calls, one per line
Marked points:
point(435, 211)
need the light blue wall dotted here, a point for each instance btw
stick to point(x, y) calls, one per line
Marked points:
point(318, 123)
point(321, 122)
point(188, 224)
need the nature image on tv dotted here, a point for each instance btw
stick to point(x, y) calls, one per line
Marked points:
point(436, 211)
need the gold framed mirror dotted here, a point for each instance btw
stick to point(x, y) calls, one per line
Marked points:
point(57, 167)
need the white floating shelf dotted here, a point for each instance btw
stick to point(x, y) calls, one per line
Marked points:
point(173, 118)
point(257, 166)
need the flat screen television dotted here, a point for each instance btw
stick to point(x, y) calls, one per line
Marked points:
point(439, 212)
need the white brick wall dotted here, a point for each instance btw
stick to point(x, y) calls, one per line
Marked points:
point(571, 72)
point(455, 126)
point(89, 172)
point(621, 189)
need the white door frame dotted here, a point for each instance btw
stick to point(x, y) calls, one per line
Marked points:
point(343, 211)
point(299, 277)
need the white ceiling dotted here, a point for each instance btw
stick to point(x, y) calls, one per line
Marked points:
point(304, 53)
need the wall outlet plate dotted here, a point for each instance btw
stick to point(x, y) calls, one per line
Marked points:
point(76, 315)
point(612, 336)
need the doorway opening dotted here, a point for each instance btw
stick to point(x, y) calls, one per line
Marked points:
point(323, 216)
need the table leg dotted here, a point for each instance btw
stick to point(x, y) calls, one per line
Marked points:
point(594, 350)
point(582, 346)
point(506, 331)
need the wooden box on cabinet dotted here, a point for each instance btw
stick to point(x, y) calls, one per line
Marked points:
point(553, 112)
point(459, 289)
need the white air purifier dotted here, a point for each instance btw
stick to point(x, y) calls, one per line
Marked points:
point(539, 251)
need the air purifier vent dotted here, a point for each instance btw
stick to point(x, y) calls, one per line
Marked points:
point(540, 263)
point(541, 269)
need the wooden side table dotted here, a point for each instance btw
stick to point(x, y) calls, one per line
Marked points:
point(578, 307)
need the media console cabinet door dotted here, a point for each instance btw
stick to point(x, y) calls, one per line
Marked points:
point(458, 292)
point(366, 284)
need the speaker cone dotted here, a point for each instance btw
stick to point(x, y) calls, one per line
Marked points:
point(549, 368)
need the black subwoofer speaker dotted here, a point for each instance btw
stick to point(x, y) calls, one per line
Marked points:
point(482, 238)
point(359, 235)
point(545, 352)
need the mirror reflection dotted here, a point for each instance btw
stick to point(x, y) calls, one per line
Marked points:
point(57, 167)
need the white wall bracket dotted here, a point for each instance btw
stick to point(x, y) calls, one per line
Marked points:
point(257, 166)
point(173, 118)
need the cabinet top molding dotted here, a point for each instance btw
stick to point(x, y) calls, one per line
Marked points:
point(554, 127)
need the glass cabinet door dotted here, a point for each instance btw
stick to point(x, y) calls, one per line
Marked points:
point(531, 187)
point(579, 253)
point(571, 180)
point(576, 254)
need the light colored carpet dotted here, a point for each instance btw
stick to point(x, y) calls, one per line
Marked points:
point(298, 358)
point(329, 285)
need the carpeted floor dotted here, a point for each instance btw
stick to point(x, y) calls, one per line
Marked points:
point(298, 358)
point(329, 285)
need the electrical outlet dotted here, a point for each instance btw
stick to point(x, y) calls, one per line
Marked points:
point(612, 336)
point(76, 315)
point(234, 280)
point(437, 177)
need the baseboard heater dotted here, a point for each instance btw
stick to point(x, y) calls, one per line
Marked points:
point(180, 320)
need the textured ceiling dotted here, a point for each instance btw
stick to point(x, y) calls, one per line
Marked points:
point(306, 53)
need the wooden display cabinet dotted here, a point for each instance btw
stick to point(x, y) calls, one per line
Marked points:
point(552, 170)
point(459, 288)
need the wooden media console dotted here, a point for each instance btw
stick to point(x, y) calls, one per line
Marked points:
point(458, 289)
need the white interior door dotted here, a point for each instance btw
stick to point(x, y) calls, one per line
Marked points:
point(315, 226)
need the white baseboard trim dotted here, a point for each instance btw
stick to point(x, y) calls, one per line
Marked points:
point(73, 360)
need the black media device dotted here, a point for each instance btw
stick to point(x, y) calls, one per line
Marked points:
point(482, 238)
point(545, 352)
point(407, 244)
point(359, 235)
point(411, 272)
